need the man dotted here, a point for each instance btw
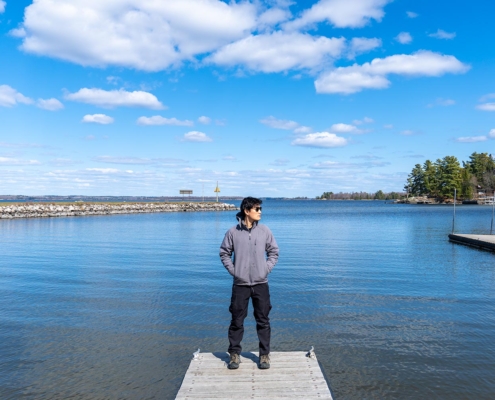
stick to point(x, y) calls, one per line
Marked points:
point(249, 241)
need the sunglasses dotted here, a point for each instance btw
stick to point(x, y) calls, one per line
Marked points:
point(257, 209)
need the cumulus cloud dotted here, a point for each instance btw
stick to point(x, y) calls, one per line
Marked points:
point(116, 98)
point(16, 161)
point(142, 34)
point(320, 139)
point(491, 134)
point(279, 51)
point(159, 120)
point(440, 34)
point(483, 107)
point(272, 17)
point(345, 128)
point(404, 38)
point(98, 119)
point(204, 120)
point(471, 139)
point(2, 6)
point(362, 45)
point(411, 14)
point(372, 75)
point(49, 104)
point(195, 136)
point(10, 97)
point(341, 13)
point(276, 123)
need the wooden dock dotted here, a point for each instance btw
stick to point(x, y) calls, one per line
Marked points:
point(292, 375)
point(485, 242)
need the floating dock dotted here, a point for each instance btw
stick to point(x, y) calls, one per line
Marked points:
point(485, 242)
point(292, 375)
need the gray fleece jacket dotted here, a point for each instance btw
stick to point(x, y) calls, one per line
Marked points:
point(249, 267)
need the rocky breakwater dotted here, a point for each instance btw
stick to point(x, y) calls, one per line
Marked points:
point(73, 210)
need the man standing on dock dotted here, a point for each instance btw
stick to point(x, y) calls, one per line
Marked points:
point(249, 241)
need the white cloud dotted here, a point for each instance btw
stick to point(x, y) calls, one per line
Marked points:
point(442, 102)
point(104, 170)
point(483, 107)
point(123, 160)
point(204, 120)
point(372, 75)
point(341, 13)
point(347, 165)
point(411, 14)
point(279, 51)
point(98, 119)
point(273, 122)
point(273, 16)
point(16, 161)
point(471, 139)
point(143, 34)
point(388, 126)
point(440, 34)
point(320, 139)
point(408, 132)
point(488, 97)
point(365, 120)
point(2, 6)
point(404, 38)
point(159, 120)
point(303, 129)
point(491, 134)
point(115, 98)
point(10, 97)
point(49, 104)
point(195, 136)
point(362, 45)
point(344, 128)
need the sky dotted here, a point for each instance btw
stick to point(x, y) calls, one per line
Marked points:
point(269, 98)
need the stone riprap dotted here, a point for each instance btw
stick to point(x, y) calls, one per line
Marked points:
point(83, 209)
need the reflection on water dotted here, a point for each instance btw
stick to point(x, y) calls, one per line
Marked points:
point(114, 306)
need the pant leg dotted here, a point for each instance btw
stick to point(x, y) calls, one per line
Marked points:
point(238, 308)
point(262, 306)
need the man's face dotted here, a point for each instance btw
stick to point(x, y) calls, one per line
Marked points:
point(254, 213)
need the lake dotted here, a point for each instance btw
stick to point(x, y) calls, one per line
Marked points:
point(114, 306)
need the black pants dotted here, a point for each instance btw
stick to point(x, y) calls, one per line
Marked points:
point(260, 295)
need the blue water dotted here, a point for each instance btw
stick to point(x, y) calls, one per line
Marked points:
point(108, 307)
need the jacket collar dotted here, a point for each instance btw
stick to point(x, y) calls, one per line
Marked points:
point(241, 223)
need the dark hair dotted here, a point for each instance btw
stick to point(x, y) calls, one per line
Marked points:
point(248, 203)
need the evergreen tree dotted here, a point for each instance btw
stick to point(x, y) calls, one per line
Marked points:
point(449, 176)
point(379, 195)
point(416, 181)
point(430, 180)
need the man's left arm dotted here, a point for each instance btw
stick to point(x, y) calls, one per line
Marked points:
point(271, 249)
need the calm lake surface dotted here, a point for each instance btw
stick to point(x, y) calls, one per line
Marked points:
point(108, 307)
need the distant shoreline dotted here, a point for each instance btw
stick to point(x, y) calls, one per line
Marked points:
point(76, 209)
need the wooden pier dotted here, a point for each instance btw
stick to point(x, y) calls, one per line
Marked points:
point(485, 242)
point(292, 375)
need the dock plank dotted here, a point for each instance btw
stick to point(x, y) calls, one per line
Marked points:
point(484, 242)
point(291, 375)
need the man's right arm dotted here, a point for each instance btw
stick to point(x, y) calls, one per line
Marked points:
point(226, 250)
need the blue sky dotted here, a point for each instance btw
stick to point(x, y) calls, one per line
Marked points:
point(270, 98)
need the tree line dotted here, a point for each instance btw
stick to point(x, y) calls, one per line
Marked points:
point(379, 195)
point(439, 179)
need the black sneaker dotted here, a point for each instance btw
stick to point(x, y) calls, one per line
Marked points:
point(265, 361)
point(234, 362)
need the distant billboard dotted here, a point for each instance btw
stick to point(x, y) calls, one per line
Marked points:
point(185, 191)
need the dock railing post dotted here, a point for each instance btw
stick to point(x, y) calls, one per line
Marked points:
point(453, 218)
point(493, 206)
